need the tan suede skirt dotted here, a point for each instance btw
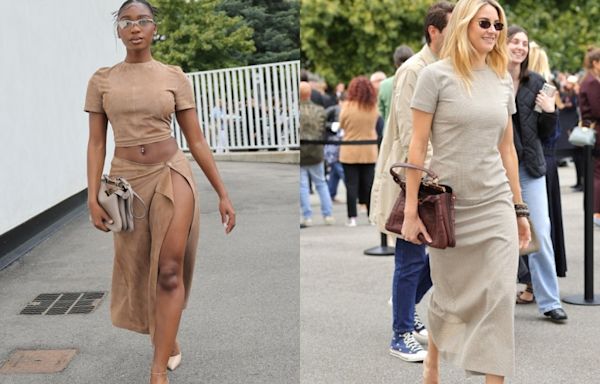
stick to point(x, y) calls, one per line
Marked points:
point(135, 270)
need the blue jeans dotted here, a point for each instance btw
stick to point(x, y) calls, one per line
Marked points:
point(335, 175)
point(541, 264)
point(412, 280)
point(317, 175)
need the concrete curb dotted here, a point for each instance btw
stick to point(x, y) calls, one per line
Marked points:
point(283, 157)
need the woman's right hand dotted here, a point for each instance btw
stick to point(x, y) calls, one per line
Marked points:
point(414, 231)
point(99, 217)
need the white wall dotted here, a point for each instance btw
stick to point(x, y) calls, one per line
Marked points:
point(48, 51)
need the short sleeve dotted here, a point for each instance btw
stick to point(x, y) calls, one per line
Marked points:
point(184, 94)
point(425, 97)
point(93, 96)
point(511, 105)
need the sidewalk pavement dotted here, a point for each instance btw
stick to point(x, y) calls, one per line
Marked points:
point(242, 321)
point(346, 320)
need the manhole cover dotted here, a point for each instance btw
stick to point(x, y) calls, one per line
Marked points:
point(38, 361)
point(64, 303)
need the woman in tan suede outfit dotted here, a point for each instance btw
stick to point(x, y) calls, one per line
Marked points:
point(153, 265)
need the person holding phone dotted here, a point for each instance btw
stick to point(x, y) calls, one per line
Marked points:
point(530, 128)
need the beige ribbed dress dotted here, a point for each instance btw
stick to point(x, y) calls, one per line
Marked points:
point(471, 313)
point(139, 100)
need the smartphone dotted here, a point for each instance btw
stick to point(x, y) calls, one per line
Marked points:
point(548, 89)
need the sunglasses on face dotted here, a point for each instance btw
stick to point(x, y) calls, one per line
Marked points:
point(486, 24)
point(142, 23)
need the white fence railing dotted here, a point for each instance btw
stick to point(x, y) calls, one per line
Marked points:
point(254, 107)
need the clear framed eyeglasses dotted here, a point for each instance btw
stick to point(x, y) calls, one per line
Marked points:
point(142, 23)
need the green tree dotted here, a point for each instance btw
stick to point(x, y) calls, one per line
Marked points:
point(565, 29)
point(341, 39)
point(197, 36)
point(275, 24)
point(344, 38)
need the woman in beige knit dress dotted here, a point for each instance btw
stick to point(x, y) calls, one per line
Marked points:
point(464, 103)
point(153, 265)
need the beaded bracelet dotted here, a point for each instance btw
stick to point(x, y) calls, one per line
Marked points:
point(522, 210)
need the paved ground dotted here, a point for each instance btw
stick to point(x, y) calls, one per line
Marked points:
point(346, 321)
point(242, 322)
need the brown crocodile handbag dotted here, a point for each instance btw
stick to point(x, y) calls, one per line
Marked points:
point(436, 208)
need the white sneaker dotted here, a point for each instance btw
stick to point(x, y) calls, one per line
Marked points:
point(306, 222)
point(420, 333)
point(351, 222)
point(329, 220)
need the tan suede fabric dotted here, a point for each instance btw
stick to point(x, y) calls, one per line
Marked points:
point(139, 99)
point(135, 270)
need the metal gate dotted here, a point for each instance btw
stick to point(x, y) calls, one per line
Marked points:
point(244, 108)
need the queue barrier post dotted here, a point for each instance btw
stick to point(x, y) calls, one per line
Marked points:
point(588, 198)
point(380, 250)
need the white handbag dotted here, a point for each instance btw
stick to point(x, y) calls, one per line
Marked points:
point(116, 197)
point(582, 136)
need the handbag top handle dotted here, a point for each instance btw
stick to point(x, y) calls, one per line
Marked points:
point(434, 177)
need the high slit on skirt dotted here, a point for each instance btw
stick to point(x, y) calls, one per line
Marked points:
point(135, 269)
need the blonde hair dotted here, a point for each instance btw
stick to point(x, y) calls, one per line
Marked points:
point(459, 49)
point(538, 61)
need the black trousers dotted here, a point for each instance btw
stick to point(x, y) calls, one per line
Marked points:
point(359, 180)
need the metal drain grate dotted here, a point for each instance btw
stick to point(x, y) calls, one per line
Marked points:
point(64, 303)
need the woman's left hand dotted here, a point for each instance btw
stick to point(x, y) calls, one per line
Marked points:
point(545, 102)
point(227, 214)
point(524, 232)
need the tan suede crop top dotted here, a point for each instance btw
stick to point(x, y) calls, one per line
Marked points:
point(139, 99)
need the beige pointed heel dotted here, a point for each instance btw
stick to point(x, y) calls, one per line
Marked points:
point(174, 362)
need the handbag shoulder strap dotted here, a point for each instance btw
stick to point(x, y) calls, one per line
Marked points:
point(397, 178)
point(124, 185)
point(134, 195)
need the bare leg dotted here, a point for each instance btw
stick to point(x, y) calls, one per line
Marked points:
point(493, 379)
point(170, 292)
point(527, 294)
point(176, 349)
point(431, 369)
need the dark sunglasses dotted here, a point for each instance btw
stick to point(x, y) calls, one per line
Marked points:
point(486, 24)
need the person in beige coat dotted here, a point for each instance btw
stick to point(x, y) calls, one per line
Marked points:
point(411, 264)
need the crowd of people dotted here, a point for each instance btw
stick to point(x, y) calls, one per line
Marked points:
point(479, 98)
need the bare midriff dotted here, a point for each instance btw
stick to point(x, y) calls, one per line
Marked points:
point(148, 153)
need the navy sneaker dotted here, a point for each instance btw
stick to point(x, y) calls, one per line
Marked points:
point(420, 333)
point(405, 347)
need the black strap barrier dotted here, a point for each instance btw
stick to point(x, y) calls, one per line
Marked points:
point(382, 249)
point(588, 269)
point(332, 142)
